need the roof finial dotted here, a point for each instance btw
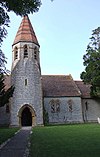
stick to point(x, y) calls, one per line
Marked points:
point(25, 15)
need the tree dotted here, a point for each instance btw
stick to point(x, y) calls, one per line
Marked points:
point(4, 94)
point(91, 59)
point(19, 7)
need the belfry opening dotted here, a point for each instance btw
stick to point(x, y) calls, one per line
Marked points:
point(26, 117)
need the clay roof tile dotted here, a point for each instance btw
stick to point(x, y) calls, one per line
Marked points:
point(59, 85)
point(84, 88)
point(25, 32)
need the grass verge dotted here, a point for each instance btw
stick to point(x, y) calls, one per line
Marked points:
point(6, 133)
point(66, 141)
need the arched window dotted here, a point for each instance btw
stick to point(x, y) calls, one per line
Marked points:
point(70, 105)
point(25, 51)
point(86, 105)
point(55, 105)
point(15, 53)
point(52, 103)
point(35, 53)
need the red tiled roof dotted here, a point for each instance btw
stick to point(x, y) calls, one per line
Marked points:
point(84, 88)
point(26, 32)
point(59, 85)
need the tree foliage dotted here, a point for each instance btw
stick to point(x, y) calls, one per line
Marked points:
point(4, 94)
point(91, 59)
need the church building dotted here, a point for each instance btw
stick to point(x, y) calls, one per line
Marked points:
point(57, 98)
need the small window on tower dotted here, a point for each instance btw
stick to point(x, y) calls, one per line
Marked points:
point(16, 53)
point(25, 52)
point(35, 53)
point(25, 82)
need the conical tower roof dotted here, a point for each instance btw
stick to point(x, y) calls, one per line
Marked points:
point(25, 32)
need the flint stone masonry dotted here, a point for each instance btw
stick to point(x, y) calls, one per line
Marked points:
point(64, 115)
point(92, 112)
point(31, 94)
point(4, 117)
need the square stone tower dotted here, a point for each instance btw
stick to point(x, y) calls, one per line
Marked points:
point(26, 104)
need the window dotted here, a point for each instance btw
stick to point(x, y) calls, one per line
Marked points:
point(25, 82)
point(86, 105)
point(7, 108)
point(16, 53)
point(70, 105)
point(55, 106)
point(52, 103)
point(35, 53)
point(52, 108)
point(25, 52)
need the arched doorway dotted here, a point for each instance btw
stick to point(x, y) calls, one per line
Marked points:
point(26, 118)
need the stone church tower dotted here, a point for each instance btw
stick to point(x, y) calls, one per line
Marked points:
point(26, 104)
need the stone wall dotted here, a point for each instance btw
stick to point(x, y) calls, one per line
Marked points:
point(91, 109)
point(4, 116)
point(69, 109)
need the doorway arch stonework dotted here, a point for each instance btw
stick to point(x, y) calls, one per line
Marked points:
point(31, 111)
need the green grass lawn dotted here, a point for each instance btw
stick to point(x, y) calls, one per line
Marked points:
point(6, 133)
point(82, 140)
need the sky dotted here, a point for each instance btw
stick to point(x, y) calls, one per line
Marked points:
point(63, 29)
